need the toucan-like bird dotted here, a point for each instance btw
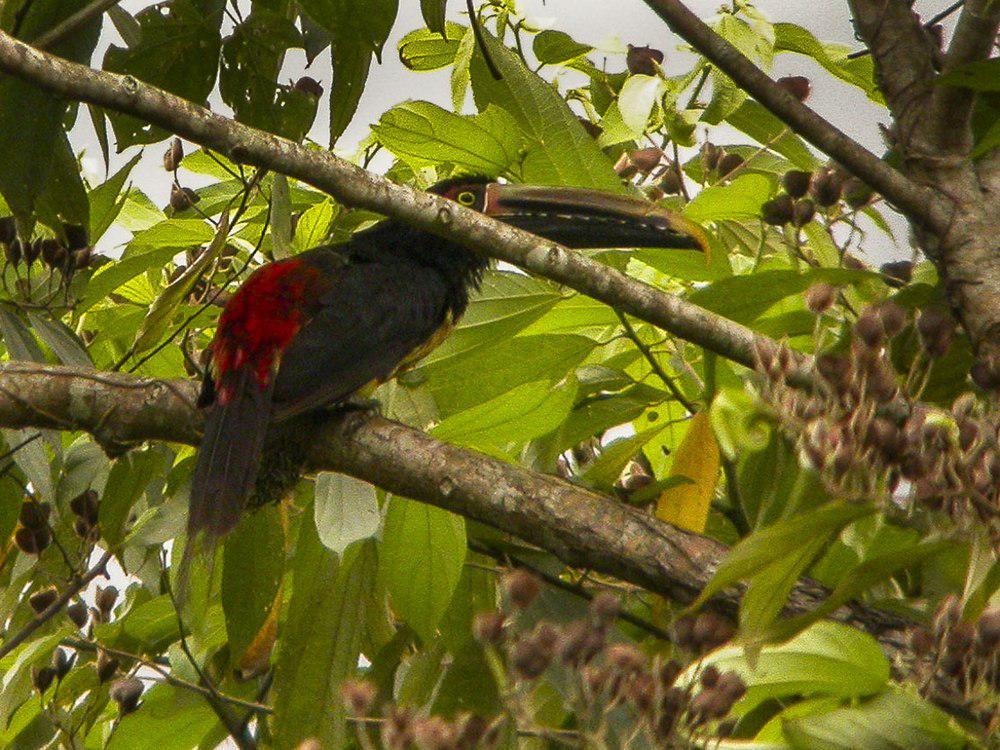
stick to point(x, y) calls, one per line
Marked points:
point(312, 331)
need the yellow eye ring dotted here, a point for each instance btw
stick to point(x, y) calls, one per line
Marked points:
point(466, 197)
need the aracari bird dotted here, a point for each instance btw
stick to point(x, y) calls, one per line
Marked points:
point(317, 329)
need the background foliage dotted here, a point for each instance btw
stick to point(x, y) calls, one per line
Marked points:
point(881, 485)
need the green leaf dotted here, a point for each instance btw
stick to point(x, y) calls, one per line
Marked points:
point(859, 71)
point(462, 382)
point(522, 414)
point(320, 641)
point(31, 131)
point(177, 50)
point(424, 50)
point(15, 685)
point(313, 226)
point(161, 312)
point(422, 554)
point(896, 720)
point(636, 101)
point(253, 563)
point(110, 277)
point(130, 474)
point(346, 511)
point(982, 75)
point(433, 12)
point(727, 97)
point(61, 339)
point(752, 119)
point(606, 469)
point(739, 199)
point(64, 197)
point(487, 143)
point(560, 151)
point(553, 47)
point(179, 720)
point(763, 547)
point(828, 659)
point(105, 204)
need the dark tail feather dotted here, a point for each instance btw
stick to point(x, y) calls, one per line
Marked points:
point(229, 456)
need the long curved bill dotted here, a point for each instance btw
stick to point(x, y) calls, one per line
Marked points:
point(581, 218)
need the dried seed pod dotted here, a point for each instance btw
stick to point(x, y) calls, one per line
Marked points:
point(30, 251)
point(804, 212)
point(820, 298)
point(796, 182)
point(53, 254)
point(778, 211)
point(42, 678)
point(988, 630)
point(898, 273)
point(488, 628)
point(521, 587)
point(8, 229)
point(34, 514)
point(76, 236)
point(77, 613)
point(683, 632)
point(62, 662)
point(309, 86)
point(359, 696)
point(85, 505)
point(82, 257)
point(936, 329)
point(826, 187)
point(709, 704)
point(643, 60)
point(107, 667)
point(581, 642)
point(174, 155)
point(730, 163)
point(671, 183)
point(645, 160)
point(834, 369)
point(857, 194)
point(528, 660)
point(25, 540)
point(868, 328)
point(709, 676)
point(83, 528)
point(126, 693)
point(732, 685)
point(42, 600)
point(798, 86)
point(893, 317)
point(710, 156)
point(182, 198)
point(985, 373)
point(710, 630)
point(105, 600)
point(625, 658)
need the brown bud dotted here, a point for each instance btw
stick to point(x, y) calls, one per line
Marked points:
point(730, 163)
point(42, 677)
point(487, 628)
point(42, 600)
point(182, 198)
point(893, 317)
point(732, 685)
point(988, 630)
point(82, 257)
point(922, 641)
point(83, 528)
point(834, 369)
point(826, 187)
point(868, 328)
point(709, 676)
point(820, 298)
point(12, 251)
point(778, 211)
point(53, 254)
point(960, 637)
point(581, 642)
point(62, 662)
point(32, 541)
point(35, 515)
point(31, 251)
point(624, 167)
point(309, 86)
point(642, 692)
point(126, 693)
point(605, 608)
point(522, 588)
point(528, 660)
point(709, 704)
point(85, 505)
point(77, 612)
point(359, 696)
point(471, 731)
point(797, 86)
point(645, 160)
point(174, 155)
point(796, 182)
point(683, 632)
point(434, 733)
point(936, 329)
point(107, 667)
point(710, 156)
point(711, 630)
point(671, 182)
point(897, 273)
point(105, 599)
point(985, 373)
point(856, 193)
point(643, 60)
point(8, 229)
point(625, 658)
point(804, 212)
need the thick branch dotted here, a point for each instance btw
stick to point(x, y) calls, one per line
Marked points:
point(355, 187)
point(913, 200)
point(584, 529)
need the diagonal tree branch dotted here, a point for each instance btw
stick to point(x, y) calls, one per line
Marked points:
point(355, 187)
point(918, 203)
point(582, 528)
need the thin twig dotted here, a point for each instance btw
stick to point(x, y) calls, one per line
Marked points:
point(655, 365)
point(75, 587)
point(73, 23)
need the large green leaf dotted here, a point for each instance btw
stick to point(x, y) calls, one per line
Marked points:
point(768, 130)
point(253, 563)
point(177, 50)
point(31, 127)
point(560, 152)
point(127, 481)
point(179, 720)
point(421, 556)
point(553, 47)
point(423, 49)
point(859, 71)
point(346, 511)
point(739, 199)
point(421, 132)
point(106, 200)
point(320, 641)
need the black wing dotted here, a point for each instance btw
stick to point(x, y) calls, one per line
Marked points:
point(374, 316)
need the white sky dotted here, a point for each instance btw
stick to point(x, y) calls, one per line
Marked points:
point(597, 22)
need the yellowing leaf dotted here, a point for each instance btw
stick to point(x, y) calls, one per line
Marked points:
point(697, 458)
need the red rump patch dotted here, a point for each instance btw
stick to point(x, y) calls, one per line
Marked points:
point(260, 321)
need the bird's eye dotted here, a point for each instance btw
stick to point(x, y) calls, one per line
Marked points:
point(466, 197)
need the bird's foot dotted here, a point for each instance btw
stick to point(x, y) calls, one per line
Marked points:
point(366, 406)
